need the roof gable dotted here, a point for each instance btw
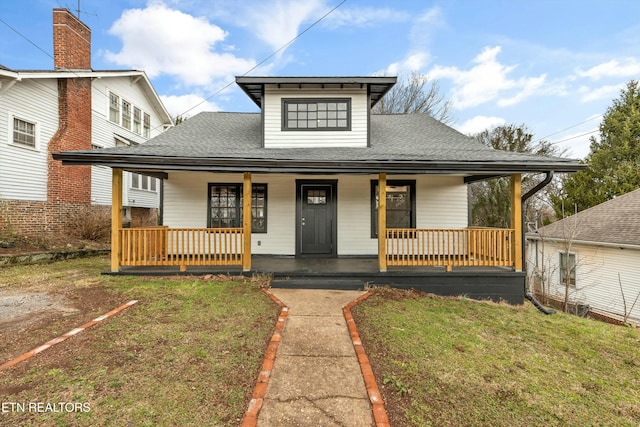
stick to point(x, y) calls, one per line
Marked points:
point(616, 221)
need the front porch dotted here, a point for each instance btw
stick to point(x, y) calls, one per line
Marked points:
point(354, 273)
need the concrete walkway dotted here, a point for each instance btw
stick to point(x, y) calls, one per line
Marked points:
point(316, 378)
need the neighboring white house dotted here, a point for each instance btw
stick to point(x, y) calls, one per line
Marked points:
point(71, 107)
point(597, 252)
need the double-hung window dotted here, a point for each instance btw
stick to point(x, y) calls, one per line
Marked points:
point(114, 108)
point(146, 125)
point(316, 114)
point(126, 114)
point(137, 120)
point(24, 133)
point(568, 268)
point(143, 182)
point(226, 206)
point(401, 205)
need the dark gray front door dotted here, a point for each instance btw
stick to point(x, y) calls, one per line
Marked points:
point(316, 225)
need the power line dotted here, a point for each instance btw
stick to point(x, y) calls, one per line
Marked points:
point(570, 127)
point(284, 46)
point(574, 137)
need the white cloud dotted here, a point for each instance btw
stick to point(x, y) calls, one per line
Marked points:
point(486, 81)
point(479, 123)
point(160, 40)
point(276, 22)
point(187, 105)
point(628, 67)
point(413, 62)
point(530, 86)
point(364, 17)
point(603, 92)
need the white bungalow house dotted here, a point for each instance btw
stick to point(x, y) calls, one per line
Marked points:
point(596, 253)
point(72, 107)
point(331, 188)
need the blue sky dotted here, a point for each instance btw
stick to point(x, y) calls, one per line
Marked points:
point(554, 66)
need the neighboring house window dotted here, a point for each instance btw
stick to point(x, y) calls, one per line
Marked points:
point(568, 268)
point(226, 206)
point(137, 120)
point(147, 125)
point(316, 114)
point(114, 108)
point(143, 182)
point(401, 205)
point(126, 114)
point(24, 133)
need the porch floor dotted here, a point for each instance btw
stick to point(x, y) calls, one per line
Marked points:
point(496, 283)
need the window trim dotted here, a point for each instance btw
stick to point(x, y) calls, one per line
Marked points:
point(411, 183)
point(36, 133)
point(572, 280)
point(239, 203)
point(286, 101)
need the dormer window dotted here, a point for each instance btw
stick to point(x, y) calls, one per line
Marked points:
point(316, 114)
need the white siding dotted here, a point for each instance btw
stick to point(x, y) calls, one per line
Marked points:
point(23, 170)
point(597, 272)
point(103, 135)
point(274, 137)
point(441, 203)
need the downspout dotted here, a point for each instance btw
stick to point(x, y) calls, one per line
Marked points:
point(523, 199)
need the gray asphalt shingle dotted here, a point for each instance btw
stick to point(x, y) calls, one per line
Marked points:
point(616, 221)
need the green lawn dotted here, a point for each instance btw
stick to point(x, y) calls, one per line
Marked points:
point(187, 354)
point(455, 362)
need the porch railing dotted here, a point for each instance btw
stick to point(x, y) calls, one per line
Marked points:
point(163, 246)
point(450, 247)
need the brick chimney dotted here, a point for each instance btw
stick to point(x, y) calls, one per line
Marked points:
point(71, 51)
point(71, 42)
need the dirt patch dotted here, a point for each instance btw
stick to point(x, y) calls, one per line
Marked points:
point(29, 318)
point(19, 310)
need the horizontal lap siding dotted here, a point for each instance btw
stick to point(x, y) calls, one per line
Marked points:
point(276, 138)
point(23, 171)
point(441, 203)
point(597, 272)
point(103, 134)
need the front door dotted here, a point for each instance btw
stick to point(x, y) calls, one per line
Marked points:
point(316, 218)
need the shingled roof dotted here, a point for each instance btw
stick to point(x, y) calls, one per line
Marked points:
point(616, 221)
point(411, 143)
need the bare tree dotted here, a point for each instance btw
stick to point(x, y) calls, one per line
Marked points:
point(416, 94)
point(627, 312)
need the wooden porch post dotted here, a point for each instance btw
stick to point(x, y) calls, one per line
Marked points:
point(516, 220)
point(116, 217)
point(382, 221)
point(246, 222)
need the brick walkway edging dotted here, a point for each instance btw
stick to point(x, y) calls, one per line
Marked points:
point(257, 398)
point(379, 412)
point(58, 340)
point(260, 389)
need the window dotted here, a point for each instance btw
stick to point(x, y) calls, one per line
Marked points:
point(226, 210)
point(126, 114)
point(401, 205)
point(567, 268)
point(316, 114)
point(114, 108)
point(24, 133)
point(137, 120)
point(147, 125)
point(143, 182)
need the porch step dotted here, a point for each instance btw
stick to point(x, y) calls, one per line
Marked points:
point(319, 283)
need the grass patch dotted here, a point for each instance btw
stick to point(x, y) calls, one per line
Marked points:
point(187, 354)
point(451, 362)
